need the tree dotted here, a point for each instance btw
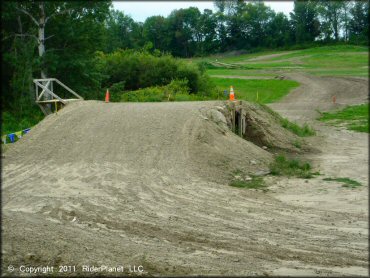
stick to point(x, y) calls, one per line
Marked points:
point(257, 19)
point(56, 38)
point(19, 63)
point(183, 31)
point(235, 24)
point(331, 13)
point(155, 30)
point(207, 29)
point(221, 28)
point(70, 55)
point(359, 23)
point(279, 31)
point(304, 19)
point(121, 31)
point(345, 18)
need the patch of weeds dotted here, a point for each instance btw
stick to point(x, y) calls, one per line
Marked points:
point(291, 167)
point(237, 172)
point(254, 183)
point(297, 144)
point(347, 182)
point(303, 131)
point(354, 117)
point(360, 126)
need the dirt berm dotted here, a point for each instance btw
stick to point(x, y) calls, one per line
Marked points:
point(147, 184)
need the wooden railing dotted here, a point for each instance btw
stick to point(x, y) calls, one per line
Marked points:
point(47, 96)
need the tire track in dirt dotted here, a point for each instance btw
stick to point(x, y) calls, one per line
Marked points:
point(342, 153)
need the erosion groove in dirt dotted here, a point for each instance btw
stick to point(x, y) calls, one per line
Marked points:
point(146, 184)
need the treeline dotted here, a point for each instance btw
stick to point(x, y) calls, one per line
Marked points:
point(237, 25)
point(67, 40)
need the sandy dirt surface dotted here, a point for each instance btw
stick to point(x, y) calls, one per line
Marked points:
point(125, 184)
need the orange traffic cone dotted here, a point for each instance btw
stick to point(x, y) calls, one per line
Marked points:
point(107, 96)
point(232, 96)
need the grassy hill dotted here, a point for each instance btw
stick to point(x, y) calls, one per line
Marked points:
point(341, 60)
point(259, 73)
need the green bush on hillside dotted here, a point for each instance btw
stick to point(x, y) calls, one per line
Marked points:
point(140, 69)
point(177, 90)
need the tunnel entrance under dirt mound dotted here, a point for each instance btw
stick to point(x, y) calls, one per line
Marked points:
point(260, 125)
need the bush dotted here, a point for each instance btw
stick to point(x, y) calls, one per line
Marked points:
point(303, 131)
point(116, 91)
point(255, 183)
point(290, 167)
point(151, 94)
point(177, 90)
point(140, 69)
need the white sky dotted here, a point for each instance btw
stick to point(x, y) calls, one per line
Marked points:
point(140, 10)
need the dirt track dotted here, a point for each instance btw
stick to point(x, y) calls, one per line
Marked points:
point(159, 197)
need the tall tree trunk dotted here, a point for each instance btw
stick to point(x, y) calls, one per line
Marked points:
point(345, 20)
point(41, 38)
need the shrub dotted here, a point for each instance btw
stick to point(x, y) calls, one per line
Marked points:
point(303, 131)
point(140, 69)
point(176, 90)
point(151, 94)
point(354, 117)
point(255, 183)
point(347, 182)
point(116, 91)
point(290, 167)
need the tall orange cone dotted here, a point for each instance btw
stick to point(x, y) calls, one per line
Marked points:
point(232, 96)
point(107, 96)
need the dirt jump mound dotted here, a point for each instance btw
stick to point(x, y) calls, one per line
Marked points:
point(87, 163)
point(147, 184)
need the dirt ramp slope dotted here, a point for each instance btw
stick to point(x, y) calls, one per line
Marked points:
point(94, 150)
point(169, 137)
point(127, 172)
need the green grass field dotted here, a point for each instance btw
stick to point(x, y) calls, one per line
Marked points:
point(267, 90)
point(352, 117)
point(340, 60)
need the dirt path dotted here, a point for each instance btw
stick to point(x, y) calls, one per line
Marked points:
point(343, 154)
point(244, 76)
point(146, 184)
point(270, 56)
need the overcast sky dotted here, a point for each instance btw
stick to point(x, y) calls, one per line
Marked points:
point(140, 10)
